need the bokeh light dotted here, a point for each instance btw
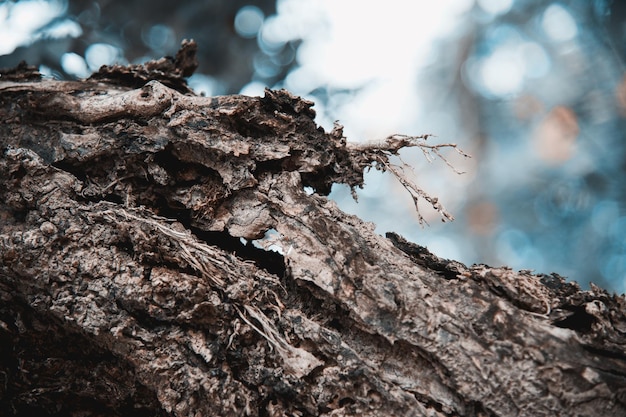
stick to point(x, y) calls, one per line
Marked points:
point(23, 22)
point(75, 65)
point(495, 7)
point(159, 38)
point(248, 21)
point(98, 54)
point(558, 23)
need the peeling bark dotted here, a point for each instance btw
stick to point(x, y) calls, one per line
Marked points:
point(135, 278)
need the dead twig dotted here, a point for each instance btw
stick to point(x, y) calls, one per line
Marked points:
point(381, 152)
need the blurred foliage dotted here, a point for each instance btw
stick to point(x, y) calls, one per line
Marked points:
point(135, 31)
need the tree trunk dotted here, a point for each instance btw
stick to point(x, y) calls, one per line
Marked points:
point(136, 280)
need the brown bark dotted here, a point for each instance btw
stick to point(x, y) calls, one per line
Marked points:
point(126, 289)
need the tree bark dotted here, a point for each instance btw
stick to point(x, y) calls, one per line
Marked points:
point(161, 254)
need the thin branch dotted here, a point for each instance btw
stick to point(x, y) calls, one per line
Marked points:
point(380, 153)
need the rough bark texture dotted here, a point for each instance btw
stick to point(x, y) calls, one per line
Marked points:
point(130, 286)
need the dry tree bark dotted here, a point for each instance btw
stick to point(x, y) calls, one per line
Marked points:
point(130, 285)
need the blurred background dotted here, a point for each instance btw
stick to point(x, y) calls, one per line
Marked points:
point(534, 90)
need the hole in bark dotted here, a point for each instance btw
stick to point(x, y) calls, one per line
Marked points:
point(270, 242)
point(335, 324)
point(479, 409)
point(113, 198)
point(319, 182)
point(184, 173)
point(374, 396)
point(580, 320)
point(20, 215)
point(346, 401)
point(274, 165)
point(125, 246)
point(19, 173)
point(76, 171)
point(272, 262)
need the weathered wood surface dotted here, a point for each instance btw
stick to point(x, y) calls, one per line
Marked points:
point(126, 290)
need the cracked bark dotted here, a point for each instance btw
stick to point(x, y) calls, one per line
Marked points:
point(130, 284)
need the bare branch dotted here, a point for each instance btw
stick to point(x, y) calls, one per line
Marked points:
point(380, 153)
